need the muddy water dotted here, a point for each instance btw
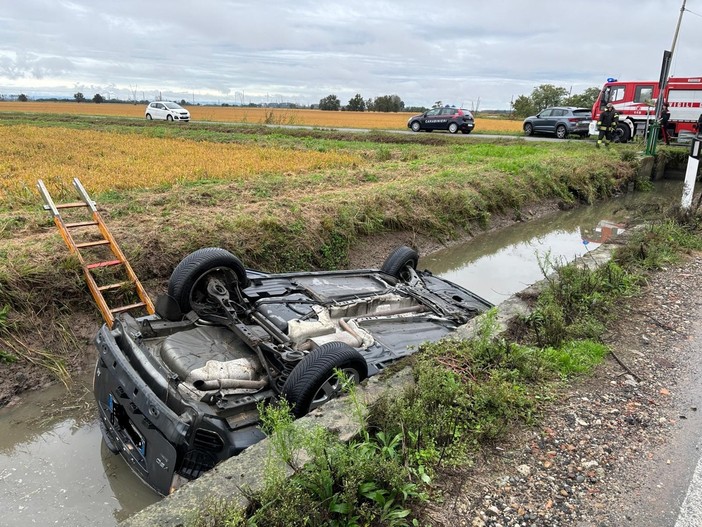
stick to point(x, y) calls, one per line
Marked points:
point(498, 264)
point(54, 469)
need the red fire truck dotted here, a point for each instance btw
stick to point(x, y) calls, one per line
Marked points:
point(635, 103)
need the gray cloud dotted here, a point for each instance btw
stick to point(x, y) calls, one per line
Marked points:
point(449, 50)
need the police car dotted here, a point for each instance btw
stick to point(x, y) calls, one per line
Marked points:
point(446, 118)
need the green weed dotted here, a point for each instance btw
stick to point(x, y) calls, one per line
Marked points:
point(577, 302)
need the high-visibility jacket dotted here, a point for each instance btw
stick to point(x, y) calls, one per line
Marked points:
point(608, 120)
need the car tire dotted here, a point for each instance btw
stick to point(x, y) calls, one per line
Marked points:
point(148, 117)
point(528, 129)
point(621, 134)
point(398, 262)
point(453, 128)
point(561, 132)
point(169, 117)
point(314, 381)
point(466, 131)
point(186, 277)
point(416, 126)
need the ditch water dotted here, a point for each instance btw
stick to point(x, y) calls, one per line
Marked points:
point(54, 469)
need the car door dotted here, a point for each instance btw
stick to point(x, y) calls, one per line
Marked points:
point(432, 119)
point(156, 110)
point(446, 117)
point(544, 121)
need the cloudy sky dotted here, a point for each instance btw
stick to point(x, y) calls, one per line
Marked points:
point(470, 52)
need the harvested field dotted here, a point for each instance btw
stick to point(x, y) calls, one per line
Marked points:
point(373, 120)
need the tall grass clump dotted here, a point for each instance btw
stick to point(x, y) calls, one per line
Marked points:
point(577, 302)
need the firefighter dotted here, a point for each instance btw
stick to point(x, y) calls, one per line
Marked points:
point(665, 117)
point(606, 125)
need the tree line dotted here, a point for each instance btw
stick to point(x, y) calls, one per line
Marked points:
point(548, 95)
point(383, 103)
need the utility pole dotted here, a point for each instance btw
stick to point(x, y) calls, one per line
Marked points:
point(665, 69)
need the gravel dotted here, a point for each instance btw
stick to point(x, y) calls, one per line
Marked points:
point(601, 455)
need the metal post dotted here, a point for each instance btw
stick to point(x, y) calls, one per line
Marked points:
point(665, 68)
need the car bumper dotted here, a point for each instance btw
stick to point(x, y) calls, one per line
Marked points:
point(132, 417)
point(163, 448)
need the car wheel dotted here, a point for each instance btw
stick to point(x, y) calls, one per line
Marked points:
point(466, 131)
point(528, 129)
point(561, 132)
point(188, 286)
point(621, 133)
point(416, 127)
point(169, 118)
point(314, 380)
point(399, 262)
point(148, 117)
point(453, 128)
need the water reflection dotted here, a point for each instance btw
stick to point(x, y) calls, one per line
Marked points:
point(53, 470)
point(496, 265)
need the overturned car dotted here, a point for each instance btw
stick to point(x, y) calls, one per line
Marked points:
point(178, 391)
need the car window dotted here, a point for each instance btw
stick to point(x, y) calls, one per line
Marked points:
point(616, 93)
point(448, 111)
point(173, 106)
point(559, 113)
point(643, 93)
point(582, 113)
point(546, 113)
point(435, 111)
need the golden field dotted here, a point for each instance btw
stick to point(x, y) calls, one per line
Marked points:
point(375, 120)
point(110, 161)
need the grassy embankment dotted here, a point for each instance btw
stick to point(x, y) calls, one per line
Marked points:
point(280, 199)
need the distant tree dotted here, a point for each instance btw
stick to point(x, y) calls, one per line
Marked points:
point(437, 104)
point(388, 103)
point(356, 104)
point(548, 95)
point(79, 97)
point(97, 98)
point(330, 103)
point(523, 106)
point(583, 100)
point(22, 97)
point(183, 102)
point(369, 105)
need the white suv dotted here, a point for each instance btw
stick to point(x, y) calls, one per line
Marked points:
point(168, 111)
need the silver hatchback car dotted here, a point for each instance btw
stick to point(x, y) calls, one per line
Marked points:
point(559, 121)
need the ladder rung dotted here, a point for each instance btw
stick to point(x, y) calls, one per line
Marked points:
point(73, 205)
point(80, 224)
point(127, 308)
point(92, 244)
point(114, 286)
point(103, 264)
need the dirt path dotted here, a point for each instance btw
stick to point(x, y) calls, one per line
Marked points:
point(615, 449)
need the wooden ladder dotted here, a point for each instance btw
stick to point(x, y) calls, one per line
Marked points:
point(105, 240)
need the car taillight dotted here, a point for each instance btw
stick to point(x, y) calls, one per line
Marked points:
point(573, 120)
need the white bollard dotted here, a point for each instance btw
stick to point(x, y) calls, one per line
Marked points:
point(693, 163)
